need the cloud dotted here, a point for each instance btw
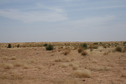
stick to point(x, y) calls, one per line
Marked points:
point(94, 22)
point(99, 8)
point(48, 14)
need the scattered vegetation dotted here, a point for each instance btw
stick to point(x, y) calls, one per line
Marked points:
point(118, 49)
point(84, 46)
point(82, 73)
point(45, 44)
point(18, 46)
point(7, 66)
point(13, 58)
point(95, 43)
point(67, 52)
point(49, 47)
point(80, 50)
point(57, 59)
point(9, 46)
point(124, 49)
point(84, 53)
point(64, 65)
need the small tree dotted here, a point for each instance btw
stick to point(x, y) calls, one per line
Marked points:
point(9, 46)
point(49, 47)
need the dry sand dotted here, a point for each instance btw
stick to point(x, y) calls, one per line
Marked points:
point(39, 66)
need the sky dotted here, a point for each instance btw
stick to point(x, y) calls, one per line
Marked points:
point(62, 20)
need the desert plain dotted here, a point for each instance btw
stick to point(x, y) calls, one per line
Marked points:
point(67, 63)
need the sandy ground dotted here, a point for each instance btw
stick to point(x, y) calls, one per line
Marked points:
point(38, 66)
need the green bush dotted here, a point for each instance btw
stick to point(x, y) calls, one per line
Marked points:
point(9, 46)
point(84, 45)
point(124, 43)
point(95, 43)
point(119, 49)
point(49, 47)
point(18, 46)
point(45, 45)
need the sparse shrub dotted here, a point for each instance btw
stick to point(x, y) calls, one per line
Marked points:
point(80, 50)
point(45, 44)
point(104, 46)
point(49, 47)
point(106, 53)
point(26, 66)
point(18, 46)
point(84, 53)
point(95, 47)
point(5, 58)
point(64, 65)
point(67, 52)
point(95, 43)
point(13, 58)
point(18, 64)
point(124, 49)
point(66, 59)
point(91, 47)
point(57, 60)
point(7, 66)
point(119, 49)
point(40, 67)
point(82, 73)
point(124, 43)
point(84, 45)
point(94, 61)
point(9, 46)
point(75, 66)
point(123, 74)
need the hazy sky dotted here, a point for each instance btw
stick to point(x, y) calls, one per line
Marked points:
point(62, 20)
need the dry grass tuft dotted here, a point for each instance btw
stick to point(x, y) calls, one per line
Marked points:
point(58, 60)
point(40, 67)
point(84, 53)
point(123, 74)
point(94, 61)
point(106, 53)
point(80, 50)
point(5, 58)
point(76, 62)
point(7, 66)
point(75, 66)
point(67, 59)
point(26, 66)
point(82, 73)
point(67, 52)
point(64, 65)
point(13, 58)
point(18, 64)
